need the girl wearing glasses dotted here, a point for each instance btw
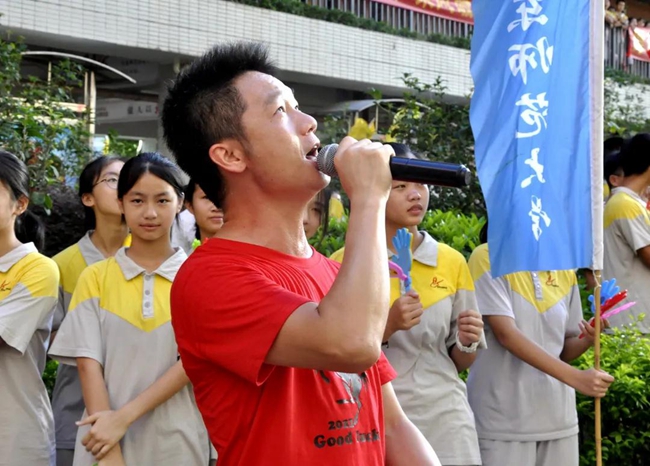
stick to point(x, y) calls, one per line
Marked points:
point(28, 294)
point(106, 233)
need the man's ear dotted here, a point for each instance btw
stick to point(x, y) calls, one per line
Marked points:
point(229, 155)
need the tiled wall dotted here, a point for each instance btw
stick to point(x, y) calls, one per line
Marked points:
point(326, 51)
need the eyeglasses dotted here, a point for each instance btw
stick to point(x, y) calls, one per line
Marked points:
point(111, 182)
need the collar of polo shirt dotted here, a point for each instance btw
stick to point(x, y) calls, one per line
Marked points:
point(166, 270)
point(12, 257)
point(426, 253)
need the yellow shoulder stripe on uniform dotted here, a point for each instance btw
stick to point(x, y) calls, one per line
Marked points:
point(123, 298)
point(71, 263)
point(38, 274)
point(621, 206)
point(555, 286)
point(338, 255)
point(479, 262)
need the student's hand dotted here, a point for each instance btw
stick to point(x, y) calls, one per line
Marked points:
point(470, 327)
point(589, 332)
point(591, 382)
point(405, 313)
point(108, 428)
point(113, 458)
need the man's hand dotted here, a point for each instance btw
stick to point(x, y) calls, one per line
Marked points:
point(405, 313)
point(470, 327)
point(363, 168)
point(591, 382)
point(108, 428)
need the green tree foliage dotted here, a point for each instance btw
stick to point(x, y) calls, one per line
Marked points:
point(38, 121)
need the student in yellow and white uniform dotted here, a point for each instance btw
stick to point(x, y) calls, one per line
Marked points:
point(521, 387)
point(208, 218)
point(325, 204)
point(118, 331)
point(28, 292)
point(433, 333)
point(627, 232)
point(208, 221)
point(106, 233)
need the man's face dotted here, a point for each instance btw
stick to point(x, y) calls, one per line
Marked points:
point(620, 6)
point(282, 145)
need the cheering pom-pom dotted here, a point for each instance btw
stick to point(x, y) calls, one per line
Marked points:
point(610, 296)
point(403, 257)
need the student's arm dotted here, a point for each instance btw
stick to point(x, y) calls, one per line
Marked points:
point(465, 320)
point(574, 346)
point(589, 382)
point(405, 444)
point(644, 255)
point(345, 330)
point(108, 427)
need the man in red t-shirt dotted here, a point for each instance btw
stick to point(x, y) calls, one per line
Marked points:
point(283, 347)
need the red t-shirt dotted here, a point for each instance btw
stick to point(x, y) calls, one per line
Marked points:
point(229, 301)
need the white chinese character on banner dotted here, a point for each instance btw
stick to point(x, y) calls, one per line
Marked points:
point(529, 15)
point(535, 113)
point(538, 168)
point(526, 56)
point(536, 213)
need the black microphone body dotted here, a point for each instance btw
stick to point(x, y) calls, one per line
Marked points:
point(450, 175)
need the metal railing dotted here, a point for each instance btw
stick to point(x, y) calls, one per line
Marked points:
point(616, 43)
point(425, 24)
point(399, 18)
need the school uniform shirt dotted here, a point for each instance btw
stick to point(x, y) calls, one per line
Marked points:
point(427, 385)
point(67, 399)
point(513, 401)
point(627, 229)
point(28, 293)
point(120, 316)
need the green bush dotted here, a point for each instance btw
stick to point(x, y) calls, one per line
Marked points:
point(455, 229)
point(49, 375)
point(625, 411)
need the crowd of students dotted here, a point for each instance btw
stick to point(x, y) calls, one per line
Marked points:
point(102, 308)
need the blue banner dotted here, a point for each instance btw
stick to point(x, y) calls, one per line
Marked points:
point(530, 114)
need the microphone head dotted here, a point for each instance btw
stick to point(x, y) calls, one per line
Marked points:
point(325, 160)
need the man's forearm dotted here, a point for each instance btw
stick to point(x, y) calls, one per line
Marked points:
point(358, 303)
point(406, 446)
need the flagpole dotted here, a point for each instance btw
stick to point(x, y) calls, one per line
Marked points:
point(597, 91)
point(597, 414)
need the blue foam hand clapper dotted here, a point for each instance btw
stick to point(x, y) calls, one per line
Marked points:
point(608, 290)
point(403, 256)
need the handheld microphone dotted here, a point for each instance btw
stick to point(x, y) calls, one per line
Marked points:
point(450, 175)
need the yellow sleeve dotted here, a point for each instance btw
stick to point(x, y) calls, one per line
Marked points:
point(338, 255)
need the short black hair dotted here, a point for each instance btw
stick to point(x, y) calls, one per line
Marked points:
point(203, 107)
point(612, 165)
point(87, 180)
point(635, 155)
point(15, 177)
point(149, 162)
